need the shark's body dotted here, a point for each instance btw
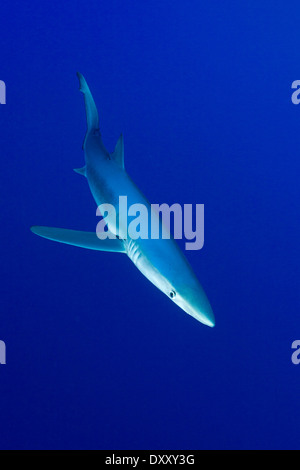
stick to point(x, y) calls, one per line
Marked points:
point(160, 260)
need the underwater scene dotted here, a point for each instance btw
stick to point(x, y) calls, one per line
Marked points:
point(150, 299)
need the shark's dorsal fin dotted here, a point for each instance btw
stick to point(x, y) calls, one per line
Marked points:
point(81, 171)
point(118, 153)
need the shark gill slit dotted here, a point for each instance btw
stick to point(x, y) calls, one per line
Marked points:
point(132, 249)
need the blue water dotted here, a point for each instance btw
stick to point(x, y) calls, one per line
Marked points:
point(97, 357)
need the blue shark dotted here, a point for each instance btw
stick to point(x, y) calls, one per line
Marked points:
point(160, 260)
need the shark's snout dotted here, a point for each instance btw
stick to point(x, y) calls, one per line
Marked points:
point(195, 303)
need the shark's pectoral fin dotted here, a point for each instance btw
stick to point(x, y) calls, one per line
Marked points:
point(87, 240)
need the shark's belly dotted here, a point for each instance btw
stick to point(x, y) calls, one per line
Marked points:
point(111, 186)
point(160, 260)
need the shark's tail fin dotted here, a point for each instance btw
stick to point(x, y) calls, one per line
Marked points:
point(90, 107)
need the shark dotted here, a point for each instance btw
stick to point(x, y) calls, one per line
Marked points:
point(160, 260)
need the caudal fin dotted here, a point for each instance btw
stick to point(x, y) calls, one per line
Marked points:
point(92, 116)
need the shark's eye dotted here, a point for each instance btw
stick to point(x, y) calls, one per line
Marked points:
point(172, 294)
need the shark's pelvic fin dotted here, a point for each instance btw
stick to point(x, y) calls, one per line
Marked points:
point(87, 240)
point(118, 153)
point(81, 171)
point(92, 116)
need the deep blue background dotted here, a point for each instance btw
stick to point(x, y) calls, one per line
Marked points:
point(96, 356)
